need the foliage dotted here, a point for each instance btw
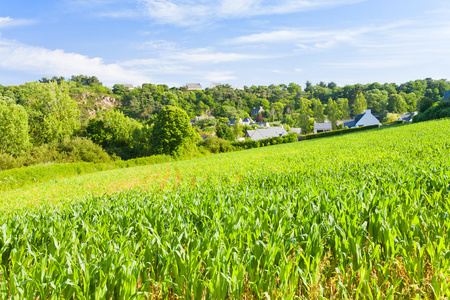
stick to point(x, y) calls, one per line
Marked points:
point(397, 104)
point(14, 138)
point(318, 111)
point(115, 132)
point(333, 113)
point(224, 132)
point(436, 112)
point(360, 104)
point(215, 144)
point(172, 132)
point(52, 113)
point(345, 217)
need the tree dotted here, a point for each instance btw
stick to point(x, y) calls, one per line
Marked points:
point(424, 104)
point(224, 132)
point(343, 108)
point(303, 123)
point(13, 128)
point(396, 104)
point(360, 104)
point(318, 111)
point(172, 132)
point(377, 100)
point(53, 114)
point(333, 113)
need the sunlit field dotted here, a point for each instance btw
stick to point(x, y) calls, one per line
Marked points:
point(364, 215)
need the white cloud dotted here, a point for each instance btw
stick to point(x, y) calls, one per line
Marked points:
point(37, 60)
point(304, 36)
point(182, 12)
point(6, 22)
point(191, 13)
point(207, 55)
point(219, 76)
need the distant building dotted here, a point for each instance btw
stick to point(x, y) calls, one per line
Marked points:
point(127, 85)
point(407, 117)
point(296, 130)
point(446, 96)
point(235, 121)
point(256, 111)
point(260, 134)
point(214, 84)
point(261, 124)
point(247, 121)
point(239, 87)
point(322, 127)
point(364, 119)
point(198, 118)
point(194, 86)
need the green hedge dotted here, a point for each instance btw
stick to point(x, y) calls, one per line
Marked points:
point(337, 132)
point(289, 138)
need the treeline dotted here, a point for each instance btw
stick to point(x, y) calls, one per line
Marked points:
point(79, 119)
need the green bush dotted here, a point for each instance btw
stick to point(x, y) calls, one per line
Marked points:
point(66, 151)
point(435, 112)
point(81, 149)
point(291, 137)
point(216, 145)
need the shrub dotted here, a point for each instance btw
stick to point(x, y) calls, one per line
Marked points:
point(435, 112)
point(216, 145)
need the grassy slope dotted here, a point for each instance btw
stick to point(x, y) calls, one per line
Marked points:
point(358, 216)
point(27, 176)
point(387, 144)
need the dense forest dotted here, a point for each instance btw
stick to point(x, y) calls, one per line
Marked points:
point(55, 119)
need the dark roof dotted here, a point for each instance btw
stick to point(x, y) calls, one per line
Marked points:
point(406, 117)
point(350, 123)
point(358, 117)
point(256, 111)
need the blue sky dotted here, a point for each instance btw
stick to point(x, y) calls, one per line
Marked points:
point(240, 42)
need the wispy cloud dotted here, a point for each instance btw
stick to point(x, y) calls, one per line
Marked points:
point(208, 55)
point(191, 13)
point(6, 22)
point(219, 76)
point(36, 60)
point(304, 36)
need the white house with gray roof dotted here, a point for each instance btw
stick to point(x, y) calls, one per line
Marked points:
point(364, 119)
point(322, 127)
point(260, 134)
point(194, 86)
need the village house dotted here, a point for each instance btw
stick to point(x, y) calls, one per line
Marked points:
point(194, 86)
point(322, 127)
point(364, 119)
point(256, 111)
point(235, 121)
point(407, 117)
point(247, 121)
point(260, 134)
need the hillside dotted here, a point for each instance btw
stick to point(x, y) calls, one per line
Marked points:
point(365, 214)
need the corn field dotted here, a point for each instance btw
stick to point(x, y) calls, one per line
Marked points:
point(362, 216)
